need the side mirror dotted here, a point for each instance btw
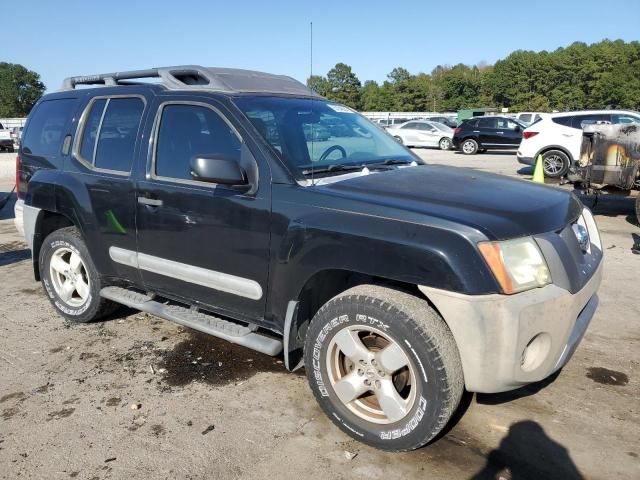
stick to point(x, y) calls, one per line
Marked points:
point(218, 168)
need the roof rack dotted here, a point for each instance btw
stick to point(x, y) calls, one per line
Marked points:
point(191, 77)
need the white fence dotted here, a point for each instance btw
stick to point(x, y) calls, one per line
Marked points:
point(392, 115)
point(12, 122)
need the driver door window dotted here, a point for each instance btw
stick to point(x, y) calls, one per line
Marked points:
point(189, 130)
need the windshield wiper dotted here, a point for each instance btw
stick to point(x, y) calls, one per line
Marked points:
point(389, 161)
point(332, 168)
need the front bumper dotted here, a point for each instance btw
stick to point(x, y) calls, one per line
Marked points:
point(493, 331)
point(5, 143)
point(524, 159)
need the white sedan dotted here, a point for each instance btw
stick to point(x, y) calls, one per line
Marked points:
point(421, 133)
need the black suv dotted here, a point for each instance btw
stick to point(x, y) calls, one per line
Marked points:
point(200, 199)
point(488, 133)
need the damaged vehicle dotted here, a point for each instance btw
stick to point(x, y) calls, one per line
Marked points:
point(609, 161)
point(201, 199)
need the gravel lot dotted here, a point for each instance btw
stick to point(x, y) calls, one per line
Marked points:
point(221, 411)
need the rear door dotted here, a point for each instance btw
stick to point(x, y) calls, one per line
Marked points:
point(105, 144)
point(486, 128)
point(204, 242)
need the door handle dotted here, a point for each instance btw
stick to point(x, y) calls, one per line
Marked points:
point(500, 133)
point(476, 131)
point(150, 202)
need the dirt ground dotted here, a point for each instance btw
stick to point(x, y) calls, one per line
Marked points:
point(208, 409)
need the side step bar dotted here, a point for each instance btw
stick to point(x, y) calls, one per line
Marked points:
point(226, 330)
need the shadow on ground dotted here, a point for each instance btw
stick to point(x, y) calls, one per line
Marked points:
point(527, 452)
point(6, 211)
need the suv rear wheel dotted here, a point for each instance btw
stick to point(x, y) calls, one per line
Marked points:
point(70, 278)
point(469, 146)
point(555, 163)
point(368, 355)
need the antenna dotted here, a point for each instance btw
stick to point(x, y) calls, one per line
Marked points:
point(312, 98)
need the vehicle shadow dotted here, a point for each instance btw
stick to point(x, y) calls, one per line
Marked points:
point(527, 390)
point(490, 152)
point(527, 452)
point(6, 211)
point(636, 243)
point(8, 257)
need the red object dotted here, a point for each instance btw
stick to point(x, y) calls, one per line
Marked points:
point(457, 130)
point(18, 176)
point(526, 135)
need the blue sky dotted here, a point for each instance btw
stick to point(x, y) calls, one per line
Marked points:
point(71, 37)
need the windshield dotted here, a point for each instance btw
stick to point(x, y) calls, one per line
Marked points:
point(316, 134)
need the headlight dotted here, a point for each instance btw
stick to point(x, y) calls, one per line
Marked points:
point(517, 264)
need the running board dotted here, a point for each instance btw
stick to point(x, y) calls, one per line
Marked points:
point(224, 329)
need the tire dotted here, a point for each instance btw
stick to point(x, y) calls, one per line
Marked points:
point(380, 317)
point(59, 252)
point(469, 146)
point(555, 163)
point(398, 139)
point(444, 143)
point(638, 210)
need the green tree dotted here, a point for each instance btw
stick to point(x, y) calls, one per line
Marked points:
point(344, 86)
point(20, 89)
point(318, 84)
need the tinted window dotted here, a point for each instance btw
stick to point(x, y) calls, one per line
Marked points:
point(566, 121)
point(625, 118)
point(190, 130)
point(117, 137)
point(487, 123)
point(46, 124)
point(579, 121)
point(525, 117)
point(109, 133)
point(90, 132)
point(411, 125)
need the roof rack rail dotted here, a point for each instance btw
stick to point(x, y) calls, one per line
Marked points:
point(171, 77)
point(195, 77)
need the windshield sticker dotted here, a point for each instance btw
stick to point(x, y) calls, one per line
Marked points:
point(339, 108)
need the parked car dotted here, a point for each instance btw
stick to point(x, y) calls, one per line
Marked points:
point(420, 133)
point(527, 118)
point(395, 283)
point(391, 122)
point(6, 141)
point(16, 135)
point(448, 121)
point(480, 134)
point(558, 137)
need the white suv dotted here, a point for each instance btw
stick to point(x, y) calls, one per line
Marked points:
point(558, 137)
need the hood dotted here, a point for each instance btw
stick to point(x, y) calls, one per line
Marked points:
point(498, 206)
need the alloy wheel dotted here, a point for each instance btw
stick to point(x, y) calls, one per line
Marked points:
point(371, 374)
point(69, 277)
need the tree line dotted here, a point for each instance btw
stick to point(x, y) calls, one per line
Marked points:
point(601, 75)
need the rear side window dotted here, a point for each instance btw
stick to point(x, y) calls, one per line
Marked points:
point(566, 121)
point(525, 117)
point(487, 123)
point(579, 121)
point(109, 134)
point(46, 127)
point(190, 130)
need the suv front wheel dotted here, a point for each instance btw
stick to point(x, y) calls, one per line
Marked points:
point(384, 367)
point(70, 278)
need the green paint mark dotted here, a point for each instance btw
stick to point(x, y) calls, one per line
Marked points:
point(113, 222)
